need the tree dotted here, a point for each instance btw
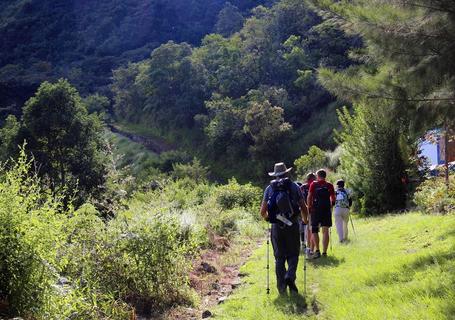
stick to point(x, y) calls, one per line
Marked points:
point(265, 126)
point(8, 138)
point(64, 140)
point(310, 162)
point(371, 159)
point(174, 86)
point(99, 105)
point(129, 98)
point(225, 127)
point(230, 20)
point(406, 60)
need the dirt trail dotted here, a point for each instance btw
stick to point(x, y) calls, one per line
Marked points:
point(216, 274)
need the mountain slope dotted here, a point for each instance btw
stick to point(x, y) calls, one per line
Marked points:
point(84, 40)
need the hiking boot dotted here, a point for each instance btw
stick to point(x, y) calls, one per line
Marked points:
point(282, 290)
point(324, 254)
point(292, 286)
point(316, 255)
point(309, 253)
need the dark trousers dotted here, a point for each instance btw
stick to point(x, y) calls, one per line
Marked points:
point(286, 248)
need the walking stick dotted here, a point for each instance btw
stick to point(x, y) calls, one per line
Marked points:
point(268, 261)
point(304, 272)
point(330, 239)
point(352, 224)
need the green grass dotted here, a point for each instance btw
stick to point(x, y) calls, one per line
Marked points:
point(397, 267)
point(131, 154)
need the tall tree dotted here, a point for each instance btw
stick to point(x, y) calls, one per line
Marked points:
point(407, 58)
point(64, 139)
point(230, 20)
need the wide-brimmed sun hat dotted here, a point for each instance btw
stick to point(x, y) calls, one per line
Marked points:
point(279, 170)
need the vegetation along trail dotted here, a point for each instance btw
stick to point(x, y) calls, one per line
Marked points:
point(396, 267)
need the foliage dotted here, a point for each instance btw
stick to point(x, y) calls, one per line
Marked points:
point(235, 195)
point(315, 159)
point(31, 235)
point(194, 170)
point(371, 159)
point(230, 20)
point(84, 42)
point(248, 93)
point(64, 140)
point(8, 135)
point(59, 262)
point(400, 66)
point(99, 105)
point(266, 127)
point(433, 196)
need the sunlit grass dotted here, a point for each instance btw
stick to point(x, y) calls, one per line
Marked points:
point(397, 267)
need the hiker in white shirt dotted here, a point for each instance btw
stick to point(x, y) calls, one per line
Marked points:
point(342, 204)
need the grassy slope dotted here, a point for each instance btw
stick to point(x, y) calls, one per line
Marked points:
point(131, 154)
point(398, 267)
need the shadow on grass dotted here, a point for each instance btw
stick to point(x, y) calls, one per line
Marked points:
point(291, 304)
point(329, 261)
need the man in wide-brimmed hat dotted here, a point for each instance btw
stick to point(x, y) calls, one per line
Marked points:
point(285, 231)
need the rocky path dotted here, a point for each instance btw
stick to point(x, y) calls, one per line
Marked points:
point(216, 274)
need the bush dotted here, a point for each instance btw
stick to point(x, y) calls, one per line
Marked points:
point(59, 263)
point(235, 195)
point(30, 237)
point(194, 170)
point(432, 195)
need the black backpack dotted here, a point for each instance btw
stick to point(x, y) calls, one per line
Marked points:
point(280, 202)
point(321, 200)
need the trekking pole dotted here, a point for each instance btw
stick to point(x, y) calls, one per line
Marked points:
point(268, 261)
point(352, 224)
point(304, 272)
point(330, 239)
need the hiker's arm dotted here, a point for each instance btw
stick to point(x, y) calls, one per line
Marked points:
point(310, 200)
point(303, 211)
point(332, 196)
point(264, 213)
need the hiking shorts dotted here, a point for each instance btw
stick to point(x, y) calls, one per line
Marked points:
point(320, 219)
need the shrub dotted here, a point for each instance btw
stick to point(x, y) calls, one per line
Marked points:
point(145, 260)
point(39, 245)
point(234, 195)
point(30, 236)
point(432, 195)
point(194, 170)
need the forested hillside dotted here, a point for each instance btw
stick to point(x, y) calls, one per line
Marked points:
point(84, 40)
point(248, 97)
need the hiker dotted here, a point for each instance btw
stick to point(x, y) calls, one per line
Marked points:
point(342, 204)
point(321, 198)
point(283, 207)
point(306, 233)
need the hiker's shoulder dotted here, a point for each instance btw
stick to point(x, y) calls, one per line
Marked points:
point(267, 191)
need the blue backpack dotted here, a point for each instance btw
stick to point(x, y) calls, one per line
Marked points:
point(280, 204)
